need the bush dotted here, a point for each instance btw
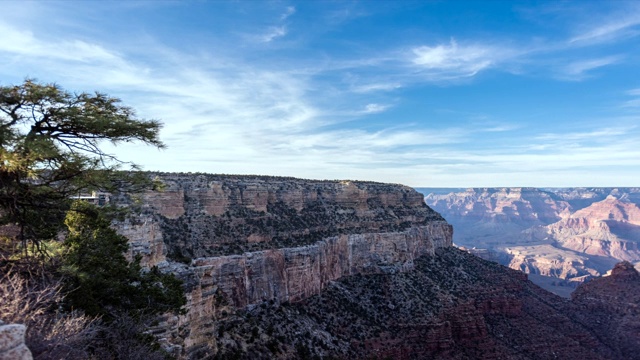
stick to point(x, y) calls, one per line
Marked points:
point(100, 280)
point(51, 334)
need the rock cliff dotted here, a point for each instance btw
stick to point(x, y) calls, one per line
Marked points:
point(561, 237)
point(610, 228)
point(611, 304)
point(453, 305)
point(487, 212)
point(239, 241)
point(295, 269)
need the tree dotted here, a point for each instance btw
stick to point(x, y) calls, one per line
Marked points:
point(99, 278)
point(50, 150)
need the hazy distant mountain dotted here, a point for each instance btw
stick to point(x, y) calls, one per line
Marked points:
point(561, 236)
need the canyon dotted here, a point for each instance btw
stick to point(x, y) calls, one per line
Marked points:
point(561, 237)
point(300, 269)
point(238, 241)
point(453, 305)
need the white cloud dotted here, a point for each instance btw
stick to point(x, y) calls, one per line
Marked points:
point(277, 31)
point(635, 102)
point(578, 70)
point(274, 32)
point(375, 87)
point(455, 61)
point(603, 134)
point(375, 108)
point(290, 10)
point(24, 43)
point(632, 103)
point(238, 117)
point(500, 128)
point(612, 28)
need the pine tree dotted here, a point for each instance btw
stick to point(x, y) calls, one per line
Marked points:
point(50, 150)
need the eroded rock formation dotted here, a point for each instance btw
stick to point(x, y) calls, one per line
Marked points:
point(293, 269)
point(610, 228)
point(451, 306)
point(562, 237)
point(239, 241)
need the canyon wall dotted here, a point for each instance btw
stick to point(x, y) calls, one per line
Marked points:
point(560, 236)
point(453, 305)
point(240, 241)
point(293, 274)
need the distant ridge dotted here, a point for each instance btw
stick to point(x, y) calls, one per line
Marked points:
point(438, 191)
point(560, 236)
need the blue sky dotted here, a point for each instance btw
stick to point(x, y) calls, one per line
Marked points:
point(433, 94)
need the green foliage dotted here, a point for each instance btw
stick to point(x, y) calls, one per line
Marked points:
point(101, 281)
point(50, 150)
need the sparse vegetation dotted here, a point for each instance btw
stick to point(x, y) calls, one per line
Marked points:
point(450, 306)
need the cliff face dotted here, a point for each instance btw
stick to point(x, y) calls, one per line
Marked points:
point(560, 236)
point(611, 304)
point(241, 240)
point(498, 209)
point(610, 228)
point(451, 306)
point(294, 274)
point(294, 269)
point(213, 215)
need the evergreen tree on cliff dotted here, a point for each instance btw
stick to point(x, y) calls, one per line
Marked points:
point(50, 150)
point(101, 281)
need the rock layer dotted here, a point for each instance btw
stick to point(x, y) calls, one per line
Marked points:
point(294, 274)
point(203, 215)
point(610, 228)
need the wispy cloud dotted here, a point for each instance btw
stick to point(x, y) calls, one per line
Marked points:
point(635, 101)
point(578, 70)
point(612, 28)
point(372, 87)
point(235, 117)
point(500, 128)
point(274, 32)
point(375, 108)
point(308, 115)
point(290, 10)
point(24, 43)
point(454, 61)
point(601, 134)
point(280, 30)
